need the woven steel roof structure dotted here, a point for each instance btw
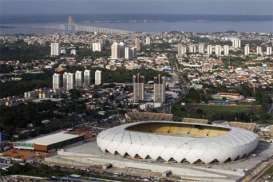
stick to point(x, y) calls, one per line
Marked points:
point(179, 142)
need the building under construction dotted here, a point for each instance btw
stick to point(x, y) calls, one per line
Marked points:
point(138, 86)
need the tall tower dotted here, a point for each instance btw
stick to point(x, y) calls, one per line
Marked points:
point(133, 51)
point(236, 43)
point(201, 48)
point(121, 51)
point(268, 51)
point(86, 78)
point(68, 81)
point(138, 86)
point(54, 49)
point(246, 50)
point(78, 79)
point(218, 50)
point(56, 82)
point(64, 80)
point(181, 50)
point(70, 27)
point(70, 20)
point(192, 48)
point(226, 50)
point(127, 53)
point(115, 50)
point(209, 50)
point(137, 44)
point(259, 50)
point(96, 46)
point(147, 40)
point(159, 89)
point(97, 77)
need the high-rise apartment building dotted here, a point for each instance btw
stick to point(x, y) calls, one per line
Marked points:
point(98, 77)
point(70, 27)
point(138, 44)
point(78, 79)
point(68, 81)
point(138, 87)
point(259, 50)
point(209, 49)
point(86, 78)
point(236, 43)
point(54, 49)
point(147, 40)
point(128, 53)
point(218, 50)
point(192, 48)
point(268, 51)
point(121, 51)
point(246, 50)
point(181, 50)
point(65, 80)
point(133, 51)
point(115, 50)
point(73, 52)
point(201, 48)
point(96, 46)
point(226, 50)
point(56, 82)
point(159, 89)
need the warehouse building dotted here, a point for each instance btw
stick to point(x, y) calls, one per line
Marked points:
point(49, 142)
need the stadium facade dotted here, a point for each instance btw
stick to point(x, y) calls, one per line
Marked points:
point(178, 142)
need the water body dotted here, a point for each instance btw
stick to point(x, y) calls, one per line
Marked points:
point(195, 26)
point(143, 23)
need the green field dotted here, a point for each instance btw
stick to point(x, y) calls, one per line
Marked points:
point(230, 108)
point(269, 171)
point(240, 112)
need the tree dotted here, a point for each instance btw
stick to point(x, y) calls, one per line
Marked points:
point(75, 94)
point(193, 96)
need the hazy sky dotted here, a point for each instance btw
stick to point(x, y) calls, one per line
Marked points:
point(252, 7)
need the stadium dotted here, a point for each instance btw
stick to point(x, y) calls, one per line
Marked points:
point(178, 142)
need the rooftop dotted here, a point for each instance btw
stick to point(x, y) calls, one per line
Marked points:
point(52, 138)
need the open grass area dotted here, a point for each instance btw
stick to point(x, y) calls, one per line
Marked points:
point(269, 171)
point(230, 108)
point(268, 174)
point(240, 112)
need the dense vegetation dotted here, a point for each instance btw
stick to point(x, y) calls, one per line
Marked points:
point(269, 173)
point(87, 53)
point(233, 61)
point(29, 82)
point(247, 113)
point(196, 106)
point(20, 50)
point(56, 173)
point(5, 68)
point(40, 170)
point(14, 120)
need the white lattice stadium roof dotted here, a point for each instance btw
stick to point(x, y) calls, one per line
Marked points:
point(167, 140)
